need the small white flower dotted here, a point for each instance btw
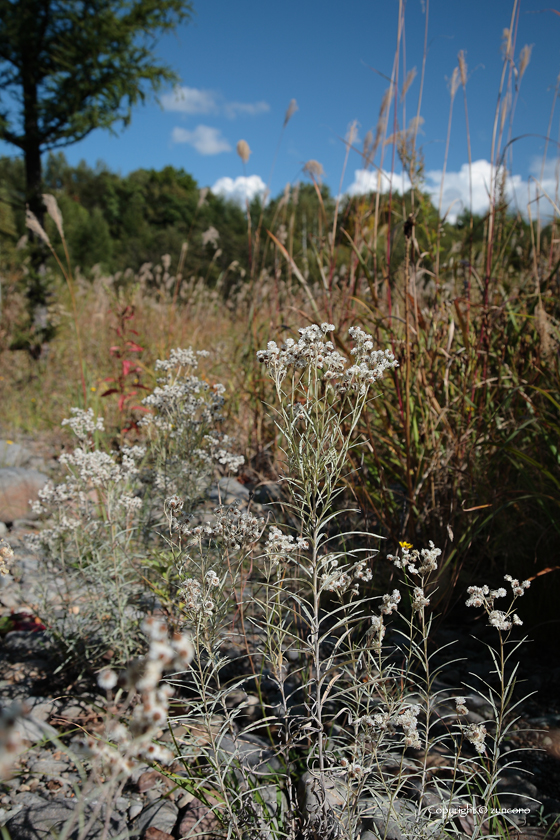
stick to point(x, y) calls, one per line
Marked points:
point(408, 720)
point(107, 679)
point(212, 578)
point(476, 734)
point(390, 602)
point(460, 706)
point(419, 601)
point(84, 423)
point(499, 619)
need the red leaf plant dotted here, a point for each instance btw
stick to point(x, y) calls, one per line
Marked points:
point(127, 379)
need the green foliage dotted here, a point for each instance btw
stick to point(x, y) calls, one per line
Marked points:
point(124, 222)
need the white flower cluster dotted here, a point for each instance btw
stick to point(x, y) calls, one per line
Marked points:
point(340, 580)
point(353, 769)
point(380, 720)
point(314, 351)
point(130, 503)
point(476, 734)
point(181, 358)
point(502, 621)
point(279, 546)
point(174, 504)
point(217, 451)
point(419, 600)
point(310, 351)
point(370, 364)
point(460, 706)
point(483, 596)
point(95, 468)
point(336, 580)
point(74, 502)
point(84, 423)
point(390, 603)
point(362, 571)
point(408, 720)
point(518, 589)
point(6, 553)
point(237, 530)
point(377, 631)
point(150, 714)
point(197, 602)
point(181, 401)
point(417, 562)
point(183, 427)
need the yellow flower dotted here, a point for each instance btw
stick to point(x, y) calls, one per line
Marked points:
point(406, 545)
point(9, 441)
point(93, 388)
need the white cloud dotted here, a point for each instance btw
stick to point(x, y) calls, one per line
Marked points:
point(188, 100)
point(232, 109)
point(367, 181)
point(240, 189)
point(206, 140)
point(456, 187)
point(456, 190)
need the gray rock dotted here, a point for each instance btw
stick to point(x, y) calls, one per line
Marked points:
point(319, 796)
point(228, 491)
point(16, 455)
point(251, 751)
point(517, 791)
point(27, 798)
point(42, 708)
point(161, 814)
point(18, 486)
point(31, 730)
point(267, 493)
point(39, 819)
point(29, 565)
point(48, 767)
point(139, 769)
point(71, 711)
point(3, 529)
point(135, 808)
point(11, 597)
point(396, 821)
point(271, 806)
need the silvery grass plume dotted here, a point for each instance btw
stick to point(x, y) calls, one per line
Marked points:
point(243, 150)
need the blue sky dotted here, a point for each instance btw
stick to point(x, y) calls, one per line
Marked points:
point(242, 62)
